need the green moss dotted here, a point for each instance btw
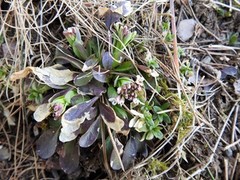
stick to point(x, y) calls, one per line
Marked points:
point(156, 166)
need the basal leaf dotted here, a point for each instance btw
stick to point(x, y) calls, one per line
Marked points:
point(64, 56)
point(93, 88)
point(109, 117)
point(125, 66)
point(69, 158)
point(111, 18)
point(83, 78)
point(90, 64)
point(77, 99)
point(47, 143)
point(100, 74)
point(73, 118)
point(68, 96)
point(78, 110)
point(91, 135)
point(130, 152)
point(114, 160)
point(42, 112)
point(57, 75)
point(107, 60)
point(79, 50)
point(141, 145)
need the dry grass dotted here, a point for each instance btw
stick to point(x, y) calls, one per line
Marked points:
point(31, 31)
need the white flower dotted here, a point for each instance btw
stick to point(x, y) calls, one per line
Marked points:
point(139, 80)
point(117, 100)
point(154, 73)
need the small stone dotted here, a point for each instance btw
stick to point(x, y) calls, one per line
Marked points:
point(186, 29)
point(228, 152)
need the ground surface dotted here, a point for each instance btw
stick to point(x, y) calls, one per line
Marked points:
point(204, 146)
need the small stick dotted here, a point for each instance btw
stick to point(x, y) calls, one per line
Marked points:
point(174, 32)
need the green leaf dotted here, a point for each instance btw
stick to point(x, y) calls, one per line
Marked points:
point(77, 99)
point(93, 47)
point(83, 78)
point(69, 96)
point(166, 118)
point(79, 50)
point(149, 135)
point(233, 39)
point(165, 106)
point(121, 112)
point(125, 66)
point(119, 81)
point(157, 133)
point(111, 92)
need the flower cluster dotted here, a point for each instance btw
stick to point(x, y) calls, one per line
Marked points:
point(129, 91)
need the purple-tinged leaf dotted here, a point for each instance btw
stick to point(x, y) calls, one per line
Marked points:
point(89, 64)
point(109, 117)
point(130, 152)
point(64, 56)
point(58, 94)
point(93, 88)
point(69, 158)
point(111, 18)
point(78, 110)
point(47, 143)
point(83, 78)
point(141, 145)
point(114, 160)
point(73, 118)
point(107, 60)
point(231, 71)
point(100, 74)
point(91, 135)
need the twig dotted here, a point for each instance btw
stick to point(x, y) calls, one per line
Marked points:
point(174, 32)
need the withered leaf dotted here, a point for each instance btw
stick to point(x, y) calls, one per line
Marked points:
point(42, 112)
point(109, 117)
